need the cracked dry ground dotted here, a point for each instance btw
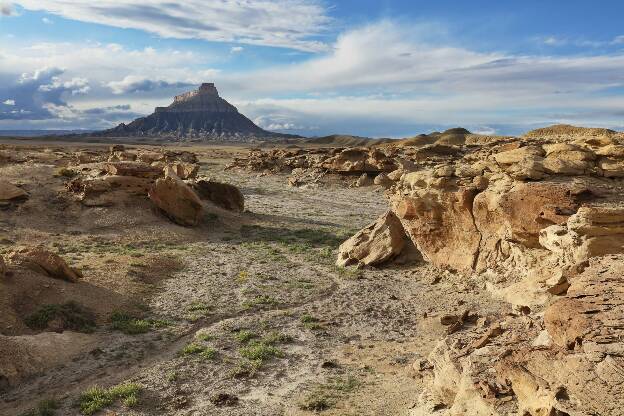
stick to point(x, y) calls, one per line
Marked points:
point(254, 318)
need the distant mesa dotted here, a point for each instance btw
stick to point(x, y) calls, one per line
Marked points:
point(201, 115)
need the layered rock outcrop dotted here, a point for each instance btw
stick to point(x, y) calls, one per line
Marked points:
point(168, 179)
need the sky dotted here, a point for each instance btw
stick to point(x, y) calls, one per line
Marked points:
point(314, 67)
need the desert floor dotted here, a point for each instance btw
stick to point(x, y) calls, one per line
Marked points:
point(250, 305)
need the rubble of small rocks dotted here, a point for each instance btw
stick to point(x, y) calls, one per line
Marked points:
point(309, 166)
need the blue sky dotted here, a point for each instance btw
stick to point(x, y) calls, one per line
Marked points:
point(314, 67)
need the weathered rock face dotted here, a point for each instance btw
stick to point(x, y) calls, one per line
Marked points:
point(182, 170)
point(199, 114)
point(570, 363)
point(442, 227)
point(374, 245)
point(177, 200)
point(10, 192)
point(542, 221)
point(45, 262)
point(223, 195)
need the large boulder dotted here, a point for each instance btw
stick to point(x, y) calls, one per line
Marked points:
point(177, 200)
point(44, 262)
point(375, 244)
point(442, 227)
point(223, 195)
point(10, 192)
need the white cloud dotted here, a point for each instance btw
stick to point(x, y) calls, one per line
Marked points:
point(282, 23)
point(47, 21)
point(618, 40)
point(381, 79)
point(553, 41)
point(9, 102)
point(134, 83)
point(236, 49)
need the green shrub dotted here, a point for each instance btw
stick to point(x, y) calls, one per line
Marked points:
point(131, 325)
point(244, 336)
point(259, 350)
point(97, 398)
point(71, 315)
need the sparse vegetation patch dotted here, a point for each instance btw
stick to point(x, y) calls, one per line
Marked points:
point(70, 316)
point(97, 398)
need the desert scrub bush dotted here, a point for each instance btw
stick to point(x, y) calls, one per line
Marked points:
point(246, 368)
point(193, 348)
point(128, 324)
point(348, 272)
point(244, 336)
point(259, 351)
point(275, 337)
point(70, 315)
point(97, 398)
point(44, 408)
point(316, 402)
point(324, 396)
point(204, 337)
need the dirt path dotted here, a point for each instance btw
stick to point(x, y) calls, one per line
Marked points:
point(270, 319)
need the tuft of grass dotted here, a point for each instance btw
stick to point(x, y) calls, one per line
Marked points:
point(275, 337)
point(197, 310)
point(193, 348)
point(44, 408)
point(310, 322)
point(97, 398)
point(244, 336)
point(348, 272)
point(131, 325)
point(316, 402)
point(172, 376)
point(260, 300)
point(246, 368)
point(209, 353)
point(325, 396)
point(71, 315)
point(260, 351)
point(204, 337)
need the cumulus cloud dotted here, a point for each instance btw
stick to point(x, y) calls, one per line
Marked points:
point(280, 122)
point(282, 23)
point(9, 102)
point(40, 94)
point(132, 84)
point(382, 79)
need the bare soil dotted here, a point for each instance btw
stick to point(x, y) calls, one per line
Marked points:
point(337, 341)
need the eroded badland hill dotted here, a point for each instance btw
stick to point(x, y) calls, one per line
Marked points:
point(446, 274)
